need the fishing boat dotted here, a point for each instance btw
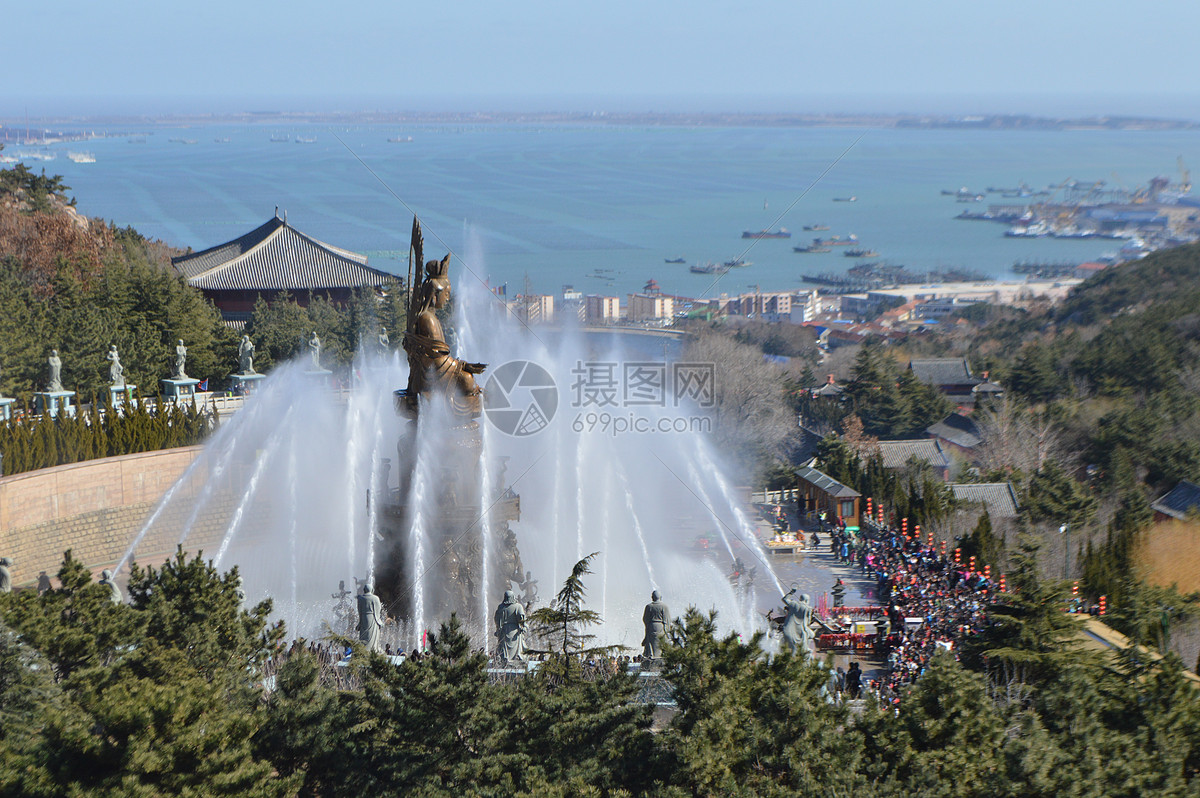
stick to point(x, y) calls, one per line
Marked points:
point(400, 140)
point(674, 260)
point(737, 263)
point(780, 233)
point(280, 139)
point(861, 253)
point(812, 250)
point(709, 268)
point(306, 140)
point(846, 199)
point(836, 241)
point(816, 228)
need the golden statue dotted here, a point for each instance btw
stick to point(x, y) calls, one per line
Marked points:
point(432, 371)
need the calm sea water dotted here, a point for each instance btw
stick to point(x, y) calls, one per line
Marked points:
point(554, 204)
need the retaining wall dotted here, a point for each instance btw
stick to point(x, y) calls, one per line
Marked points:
point(96, 508)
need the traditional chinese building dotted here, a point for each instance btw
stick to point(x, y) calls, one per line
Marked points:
point(271, 260)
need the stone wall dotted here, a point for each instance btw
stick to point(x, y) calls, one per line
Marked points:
point(96, 509)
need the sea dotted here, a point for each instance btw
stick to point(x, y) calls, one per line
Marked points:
point(601, 208)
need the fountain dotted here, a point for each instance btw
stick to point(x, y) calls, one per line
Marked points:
point(530, 473)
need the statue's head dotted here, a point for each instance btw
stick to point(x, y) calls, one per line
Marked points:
point(366, 590)
point(437, 282)
point(655, 596)
point(509, 598)
point(7, 561)
point(805, 598)
point(245, 337)
point(54, 353)
point(106, 574)
point(181, 342)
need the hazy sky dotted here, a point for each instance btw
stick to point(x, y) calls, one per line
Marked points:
point(791, 55)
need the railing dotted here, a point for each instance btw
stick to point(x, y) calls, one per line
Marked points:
point(774, 496)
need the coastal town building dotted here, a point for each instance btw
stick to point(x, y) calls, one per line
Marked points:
point(601, 309)
point(533, 308)
point(272, 260)
point(950, 375)
point(650, 307)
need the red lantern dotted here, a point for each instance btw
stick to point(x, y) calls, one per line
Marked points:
point(987, 571)
point(868, 505)
point(943, 548)
point(1103, 604)
point(958, 556)
point(1003, 587)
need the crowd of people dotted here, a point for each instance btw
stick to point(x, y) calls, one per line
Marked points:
point(932, 602)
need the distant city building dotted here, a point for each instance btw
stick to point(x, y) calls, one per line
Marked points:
point(650, 307)
point(273, 259)
point(602, 309)
point(572, 303)
point(806, 306)
point(534, 308)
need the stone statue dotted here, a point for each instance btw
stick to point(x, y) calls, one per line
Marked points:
point(655, 618)
point(510, 629)
point(5, 575)
point(529, 589)
point(370, 619)
point(431, 368)
point(385, 343)
point(116, 372)
point(246, 356)
point(43, 585)
point(180, 361)
point(314, 348)
point(54, 383)
point(240, 592)
point(797, 632)
point(106, 578)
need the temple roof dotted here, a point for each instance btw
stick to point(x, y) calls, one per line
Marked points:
point(999, 497)
point(277, 257)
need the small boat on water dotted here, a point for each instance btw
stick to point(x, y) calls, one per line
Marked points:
point(81, 157)
point(306, 140)
point(674, 260)
point(816, 228)
point(400, 140)
point(221, 141)
point(836, 241)
point(812, 250)
point(280, 139)
point(861, 253)
point(780, 233)
point(737, 263)
point(846, 199)
point(709, 268)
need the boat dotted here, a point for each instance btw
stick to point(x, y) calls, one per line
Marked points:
point(709, 268)
point(861, 253)
point(280, 139)
point(846, 199)
point(780, 233)
point(221, 141)
point(400, 140)
point(181, 141)
point(816, 228)
point(737, 263)
point(674, 260)
point(836, 241)
point(306, 140)
point(81, 157)
point(813, 249)
point(1035, 230)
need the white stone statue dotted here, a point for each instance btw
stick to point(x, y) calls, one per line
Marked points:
point(385, 343)
point(246, 356)
point(54, 382)
point(180, 361)
point(797, 629)
point(5, 575)
point(116, 372)
point(314, 348)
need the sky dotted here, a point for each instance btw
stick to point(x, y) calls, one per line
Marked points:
point(1046, 57)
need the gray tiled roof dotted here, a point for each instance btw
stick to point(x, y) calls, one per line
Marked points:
point(826, 483)
point(1179, 500)
point(998, 497)
point(943, 371)
point(958, 429)
point(896, 454)
point(277, 257)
